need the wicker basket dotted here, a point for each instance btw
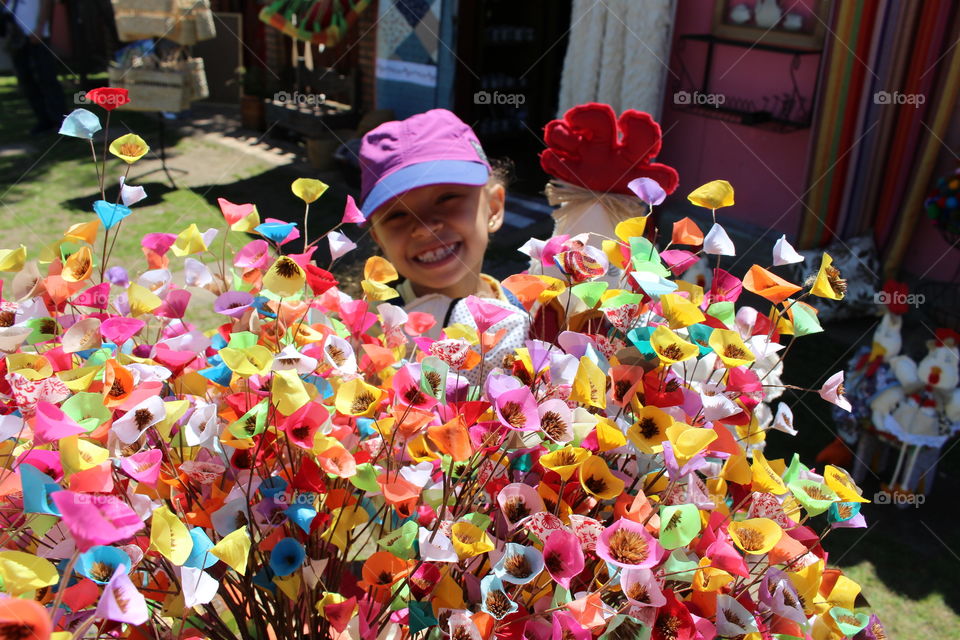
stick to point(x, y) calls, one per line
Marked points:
point(140, 19)
point(185, 22)
point(162, 89)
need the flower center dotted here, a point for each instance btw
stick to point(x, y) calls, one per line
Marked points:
point(130, 149)
point(648, 428)
point(516, 509)
point(751, 539)
point(673, 352)
point(336, 354)
point(518, 566)
point(553, 425)
point(512, 412)
point(628, 547)
point(362, 402)
point(141, 417)
point(287, 268)
point(734, 352)
point(498, 604)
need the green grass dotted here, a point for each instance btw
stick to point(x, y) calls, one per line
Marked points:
point(53, 185)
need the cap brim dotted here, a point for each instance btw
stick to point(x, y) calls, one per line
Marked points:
point(424, 174)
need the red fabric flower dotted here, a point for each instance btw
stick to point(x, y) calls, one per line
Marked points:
point(108, 98)
point(591, 148)
point(319, 280)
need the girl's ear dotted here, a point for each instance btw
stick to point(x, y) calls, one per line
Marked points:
point(496, 203)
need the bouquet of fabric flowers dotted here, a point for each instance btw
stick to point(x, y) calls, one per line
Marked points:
point(316, 466)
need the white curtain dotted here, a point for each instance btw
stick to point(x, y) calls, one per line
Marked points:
point(618, 53)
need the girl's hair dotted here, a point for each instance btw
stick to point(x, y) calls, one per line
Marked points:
point(501, 171)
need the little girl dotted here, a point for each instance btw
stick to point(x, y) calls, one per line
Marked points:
point(432, 201)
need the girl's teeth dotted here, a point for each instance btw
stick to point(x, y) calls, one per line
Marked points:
point(436, 254)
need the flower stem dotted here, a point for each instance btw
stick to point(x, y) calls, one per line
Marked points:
point(65, 580)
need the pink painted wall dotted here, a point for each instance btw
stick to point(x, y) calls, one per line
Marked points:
point(766, 169)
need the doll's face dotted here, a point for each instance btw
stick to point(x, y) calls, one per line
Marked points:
point(436, 235)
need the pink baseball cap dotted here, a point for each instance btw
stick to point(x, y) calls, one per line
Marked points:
point(429, 148)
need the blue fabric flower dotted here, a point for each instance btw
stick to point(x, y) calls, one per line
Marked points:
point(301, 515)
point(220, 374)
point(110, 214)
point(100, 562)
point(287, 556)
point(274, 231)
point(80, 124)
point(700, 336)
point(37, 489)
point(200, 556)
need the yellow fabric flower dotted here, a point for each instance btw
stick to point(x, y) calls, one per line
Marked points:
point(842, 484)
point(285, 278)
point(829, 284)
point(565, 461)
point(708, 578)
point(713, 195)
point(234, 549)
point(22, 572)
point(755, 536)
point(308, 189)
point(609, 436)
point(13, 259)
point(631, 228)
point(765, 479)
point(251, 361)
point(189, 241)
point(378, 269)
point(469, 540)
point(129, 148)
point(597, 479)
point(83, 232)
point(650, 429)
point(170, 536)
point(670, 347)
point(730, 348)
point(288, 391)
point(357, 398)
point(688, 441)
point(679, 311)
point(589, 385)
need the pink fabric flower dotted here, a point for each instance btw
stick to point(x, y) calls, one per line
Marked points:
point(95, 519)
point(832, 391)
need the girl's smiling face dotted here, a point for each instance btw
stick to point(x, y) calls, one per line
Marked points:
point(436, 235)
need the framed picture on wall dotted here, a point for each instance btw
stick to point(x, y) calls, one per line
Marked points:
point(786, 23)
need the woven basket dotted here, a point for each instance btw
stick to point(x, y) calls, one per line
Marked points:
point(154, 89)
point(185, 22)
point(140, 19)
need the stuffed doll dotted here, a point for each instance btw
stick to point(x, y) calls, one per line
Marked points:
point(923, 409)
point(592, 157)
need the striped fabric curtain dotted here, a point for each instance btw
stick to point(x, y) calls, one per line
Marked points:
point(891, 82)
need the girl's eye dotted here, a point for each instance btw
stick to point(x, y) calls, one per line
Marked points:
point(394, 217)
point(448, 196)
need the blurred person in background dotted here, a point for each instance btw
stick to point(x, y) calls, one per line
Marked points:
point(27, 24)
